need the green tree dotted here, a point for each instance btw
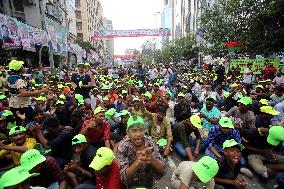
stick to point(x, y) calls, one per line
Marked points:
point(258, 25)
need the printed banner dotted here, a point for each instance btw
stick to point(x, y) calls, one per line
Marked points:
point(134, 56)
point(10, 32)
point(131, 33)
point(57, 37)
point(257, 64)
point(27, 37)
point(39, 37)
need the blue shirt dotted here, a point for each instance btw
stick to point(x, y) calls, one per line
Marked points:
point(217, 137)
point(214, 113)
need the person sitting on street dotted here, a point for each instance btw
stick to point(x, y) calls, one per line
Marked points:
point(218, 135)
point(138, 156)
point(200, 174)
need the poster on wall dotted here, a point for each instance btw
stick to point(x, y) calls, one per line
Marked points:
point(39, 37)
point(27, 37)
point(10, 32)
point(57, 37)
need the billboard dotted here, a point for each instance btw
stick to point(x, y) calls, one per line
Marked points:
point(130, 33)
point(10, 33)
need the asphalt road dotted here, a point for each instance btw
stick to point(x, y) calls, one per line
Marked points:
point(174, 160)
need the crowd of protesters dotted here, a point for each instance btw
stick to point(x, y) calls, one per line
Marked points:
point(114, 128)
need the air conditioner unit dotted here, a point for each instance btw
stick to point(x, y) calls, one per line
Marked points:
point(29, 3)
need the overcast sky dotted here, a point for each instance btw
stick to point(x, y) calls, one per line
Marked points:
point(131, 14)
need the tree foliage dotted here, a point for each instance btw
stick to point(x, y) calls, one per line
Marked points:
point(258, 25)
point(179, 49)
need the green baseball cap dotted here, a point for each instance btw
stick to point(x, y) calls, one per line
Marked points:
point(7, 113)
point(134, 120)
point(59, 102)
point(78, 139)
point(62, 96)
point(226, 122)
point(148, 94)
point(205, 169)
point(136, 98)
point(211, 97)
point(196, 121)
point(15, 176)
point(104, 156)
point(162, 142)
point(124, 112)
point(264, 102)
point(245, 100)
point(106, 98)
point(226, 94)
point(2, 96)
point(41, 98)
point(181, 95)
point(31, 158)
point(231, 143)
point(78, 96)
point(16, 130)
point(98, 110)
point(276, 135)
point(269, 110)
point(15, 65)
point(124, 92)
point(110, 113)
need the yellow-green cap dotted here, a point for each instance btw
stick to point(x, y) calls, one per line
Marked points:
point(41, 98)
point(16, 130)
point(245, 100)
point(31, 158)
point(162, 142)
point(78, 139)
point(124, 112)
point(269, 110)
point(6, 113)
point(259, 86)
point(148, 94)
point(124, 92)
point(264, 102)
point(134, 120)
point(79, 96)
point(60, 86)
point(15, 176)
point(205, 169)
point(136, 98)
point(62, 96)
point(110, 113)
point(106, 98)
point(181, 95)
point(226, 122)
point(15, 65)
point(104, 156)
point(234, 85)
point(98, 110)
point(226, 94)
point(231, 143)
point(276, 135)
point(2, 96)
point(195, 121)
point(59, 102)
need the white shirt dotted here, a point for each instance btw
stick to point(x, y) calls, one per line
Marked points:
point(153, 73)
point(167, 73)
point(247, 78)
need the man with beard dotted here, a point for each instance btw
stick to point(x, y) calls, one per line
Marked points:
point(244, 119)
point(230, 166)
point(218, 134)
point(97, 130)
point(20, 144)
point(138, 156)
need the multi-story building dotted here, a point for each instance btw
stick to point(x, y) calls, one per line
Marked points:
point(89, 17)
point(109, 42)
point(167, 20)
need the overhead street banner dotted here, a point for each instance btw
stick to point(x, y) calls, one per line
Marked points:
point(134, 56)
point(130, 33)
point(257, 64)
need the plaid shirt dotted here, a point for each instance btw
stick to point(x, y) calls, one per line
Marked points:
point(217, 137)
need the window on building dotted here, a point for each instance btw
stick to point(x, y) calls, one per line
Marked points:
point(79, 25)
point(77, 3)
point(78, 14)
point(18, 5)
point(80, 36)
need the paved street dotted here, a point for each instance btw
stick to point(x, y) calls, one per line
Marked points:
point(174, 160)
